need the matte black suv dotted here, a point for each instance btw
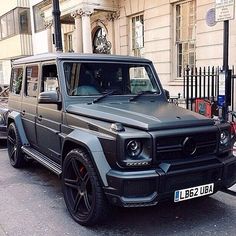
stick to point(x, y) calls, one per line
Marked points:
point(104, 124)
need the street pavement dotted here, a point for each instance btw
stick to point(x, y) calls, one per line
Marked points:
point(31, 204)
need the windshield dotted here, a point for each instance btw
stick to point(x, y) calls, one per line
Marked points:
point(84, 79)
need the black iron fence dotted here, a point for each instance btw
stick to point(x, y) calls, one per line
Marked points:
point(203, 83)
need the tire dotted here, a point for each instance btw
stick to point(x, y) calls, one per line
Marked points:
point(82, 190)
point(14, 145)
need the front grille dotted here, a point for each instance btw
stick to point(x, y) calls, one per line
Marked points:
point(172, 147)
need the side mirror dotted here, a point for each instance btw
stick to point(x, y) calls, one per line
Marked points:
point(51, 97)
point(167, 93)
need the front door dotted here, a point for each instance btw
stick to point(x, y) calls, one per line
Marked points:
point(49, 116)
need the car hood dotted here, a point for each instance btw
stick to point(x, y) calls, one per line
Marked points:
point(143, 115)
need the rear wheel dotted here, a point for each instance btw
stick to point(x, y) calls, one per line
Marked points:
point(82, 191)
point(14, 147)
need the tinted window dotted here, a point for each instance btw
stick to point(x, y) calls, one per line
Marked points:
point(24, 21)
point(14, 22)
point(96, 78)
point(50, 78)
point(32, 73)
point(16, 80)
point(38, 19)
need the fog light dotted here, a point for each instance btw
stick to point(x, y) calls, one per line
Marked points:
point(139, 163)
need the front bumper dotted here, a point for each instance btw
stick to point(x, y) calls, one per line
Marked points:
point(145, 188)
point(3, 131)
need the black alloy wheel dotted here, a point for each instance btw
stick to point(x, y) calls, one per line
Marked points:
point(82, 191)
point(14, 147)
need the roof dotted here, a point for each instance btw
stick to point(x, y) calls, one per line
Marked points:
point(77, 56)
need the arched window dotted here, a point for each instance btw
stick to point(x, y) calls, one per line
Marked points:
point(100, 43)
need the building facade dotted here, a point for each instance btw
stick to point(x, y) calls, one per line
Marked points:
point(172, 33)
point(15, 35)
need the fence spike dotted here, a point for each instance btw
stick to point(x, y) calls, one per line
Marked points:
point(203, 82)
point(200, 82)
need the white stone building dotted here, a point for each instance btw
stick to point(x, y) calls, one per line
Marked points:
point(15, 35)
point(172, 33)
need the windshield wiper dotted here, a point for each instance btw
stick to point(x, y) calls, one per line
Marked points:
point(103, 96)
point(142, 93)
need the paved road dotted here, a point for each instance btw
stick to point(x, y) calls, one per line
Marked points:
point(31, 203)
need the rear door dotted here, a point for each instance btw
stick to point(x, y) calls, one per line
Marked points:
point(29, 102)
point(49, 116)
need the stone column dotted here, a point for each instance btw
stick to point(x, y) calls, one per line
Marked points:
point(112, 17)
point(48, 26)
point(78, 42)
point(86, 27)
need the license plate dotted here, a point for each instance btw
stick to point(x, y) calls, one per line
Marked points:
point(198, 191)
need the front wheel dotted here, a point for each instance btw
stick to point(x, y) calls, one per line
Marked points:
point(82, 191)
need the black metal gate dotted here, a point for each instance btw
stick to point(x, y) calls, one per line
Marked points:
point(203, 83)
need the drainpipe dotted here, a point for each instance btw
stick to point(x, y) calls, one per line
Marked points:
point(57, 25)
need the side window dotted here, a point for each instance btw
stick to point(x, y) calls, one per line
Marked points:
point(16, 80)
point(32, 75)
point(141, 79)
point(49, 78)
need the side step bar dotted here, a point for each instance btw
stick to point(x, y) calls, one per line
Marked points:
point(45, 161)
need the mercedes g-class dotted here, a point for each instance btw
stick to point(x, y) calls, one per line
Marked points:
point(104, 125)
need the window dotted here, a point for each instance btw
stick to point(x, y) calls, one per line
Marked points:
point(16, 80)
point(141, 79)
point(69, 42)
point(1, 74)
point(84, 79)
point(7, 25)
point(185, 35)
point(10, 24)
point(3, 27)
point(24, 21)
point(15, 22)
point(32, 73)
point(137, 34)
point(100, 43)
point(38, 19)
point(50, 78)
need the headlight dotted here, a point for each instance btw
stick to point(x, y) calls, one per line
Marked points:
point(134, 148)
point(224, 137)
point(137, 152)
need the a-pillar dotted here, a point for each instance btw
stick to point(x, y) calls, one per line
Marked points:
point(48, 26)
point(86, 27)
point(78, 41)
